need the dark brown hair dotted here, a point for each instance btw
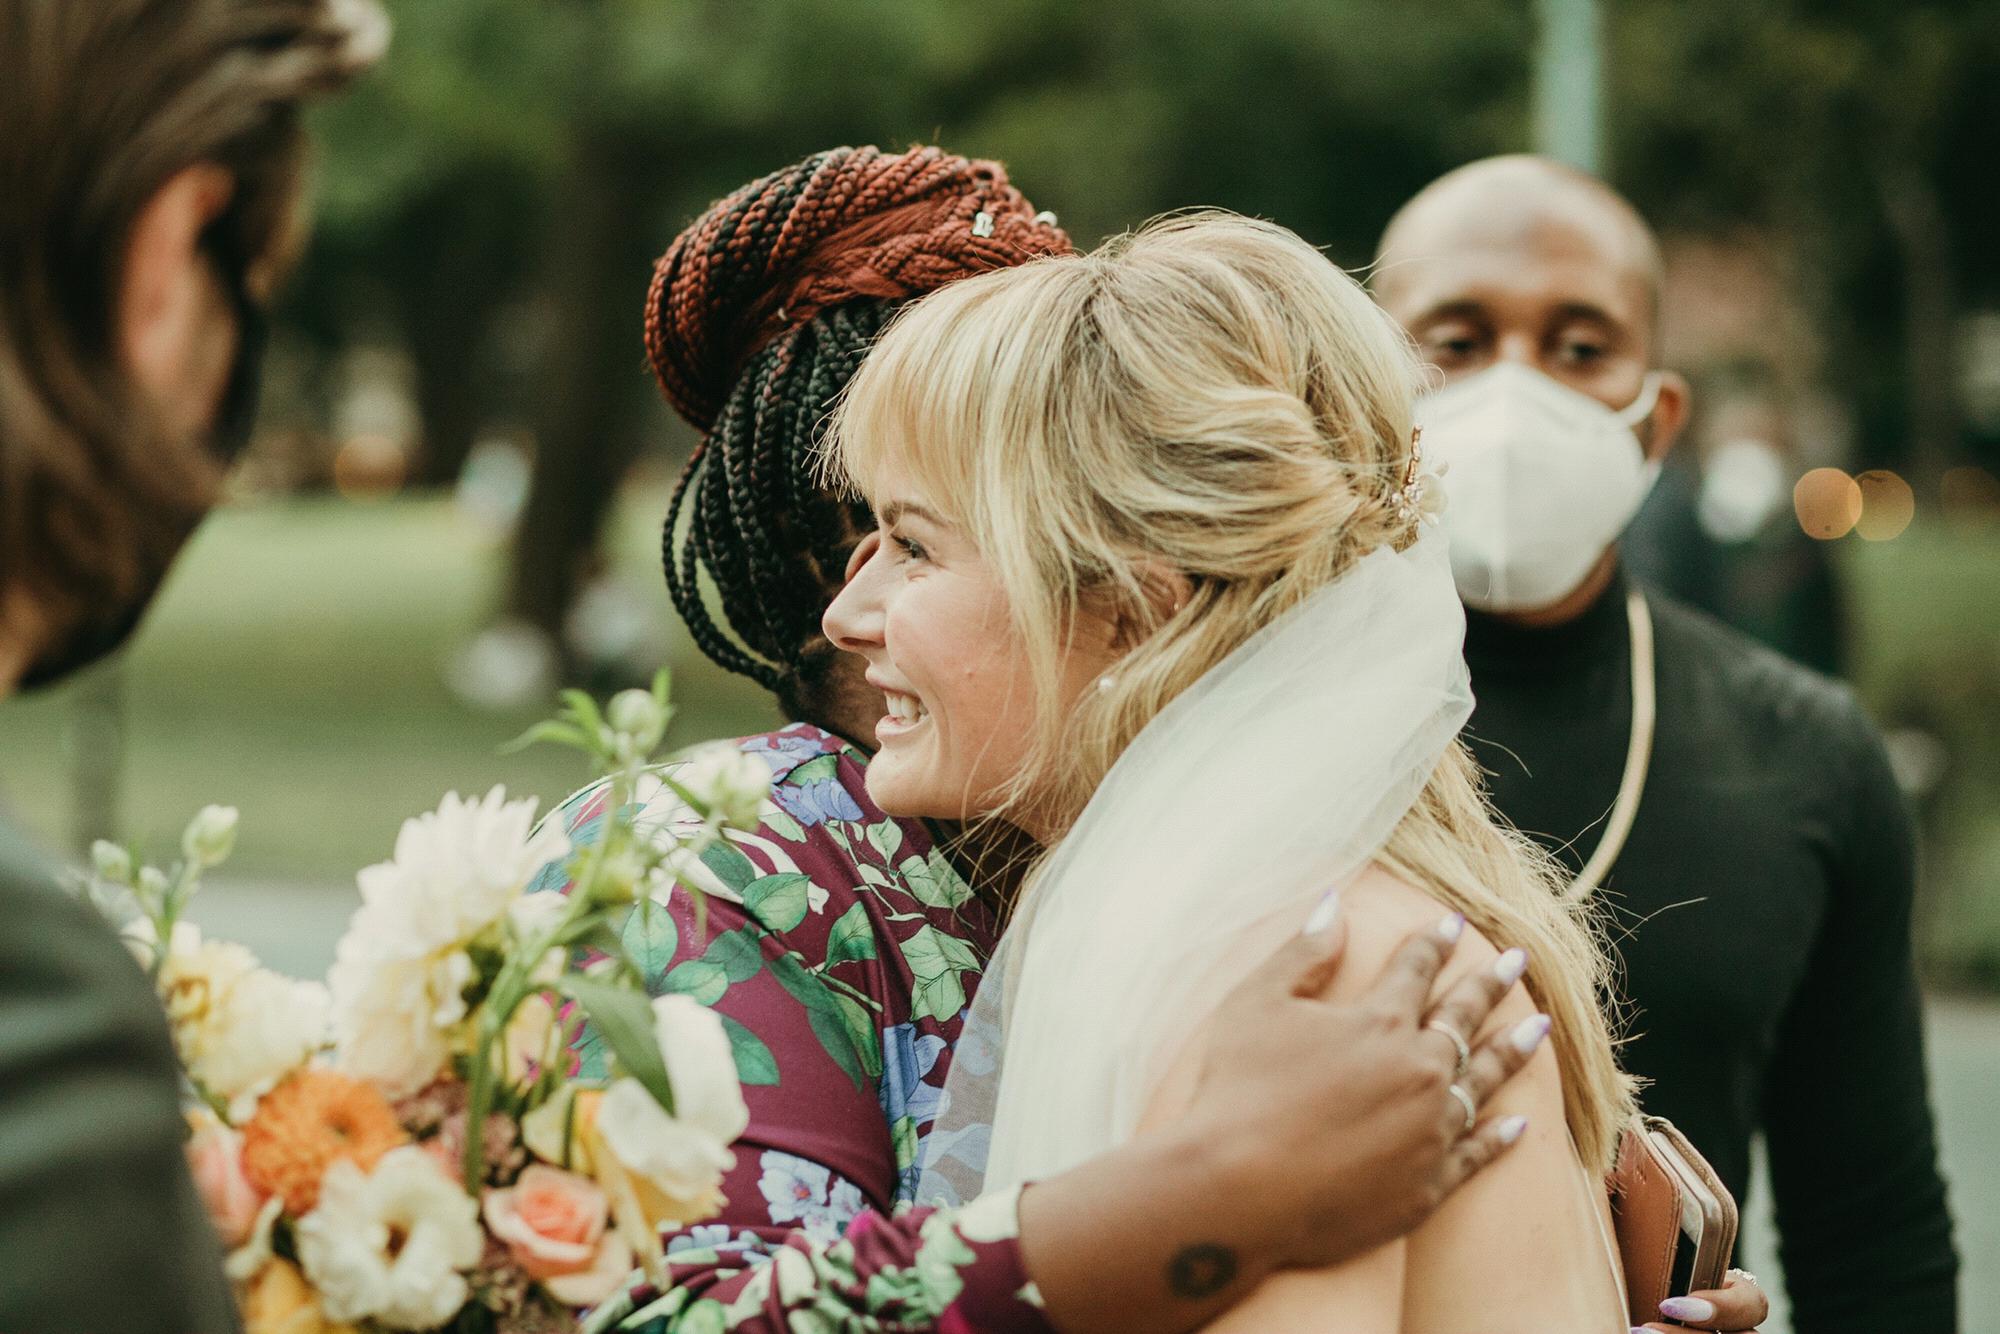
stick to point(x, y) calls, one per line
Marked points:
point(759, 314)
point(104, 102)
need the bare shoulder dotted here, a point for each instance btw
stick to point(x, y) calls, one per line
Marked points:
point(1383, 910)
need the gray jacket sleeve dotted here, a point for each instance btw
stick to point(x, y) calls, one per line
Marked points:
point(100, 1228)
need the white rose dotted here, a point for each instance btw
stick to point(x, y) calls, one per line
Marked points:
point(682, 1156)
point(393, 1245)
point(677, 1166)
point(701, 1067)
point(730, 784)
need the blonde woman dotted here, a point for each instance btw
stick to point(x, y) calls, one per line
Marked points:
point(1155, 585)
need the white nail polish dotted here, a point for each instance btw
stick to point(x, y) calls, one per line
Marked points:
point(1528, 1034)
point(1325, 915)
point(1509, 966)
point(1688, 1308)
point(1451, 928)
point(1511, 1129)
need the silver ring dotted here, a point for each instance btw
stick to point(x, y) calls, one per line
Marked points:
point(1465, 1101)
point(1458, 1041)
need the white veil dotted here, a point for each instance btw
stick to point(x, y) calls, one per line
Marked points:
point(1276, 776)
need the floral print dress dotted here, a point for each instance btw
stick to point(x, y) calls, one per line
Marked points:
point(840, 949)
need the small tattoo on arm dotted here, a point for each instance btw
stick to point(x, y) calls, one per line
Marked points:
point(1202, 1270)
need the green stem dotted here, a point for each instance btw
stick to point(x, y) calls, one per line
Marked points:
point(168, 915)
point(478, 1103)
point(515, 981)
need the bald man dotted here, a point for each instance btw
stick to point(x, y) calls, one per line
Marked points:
point(1733, 813)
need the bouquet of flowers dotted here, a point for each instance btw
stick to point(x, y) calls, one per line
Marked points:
point(410, 1145)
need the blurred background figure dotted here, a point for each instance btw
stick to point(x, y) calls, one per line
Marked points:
point(453, 499)
point(1719, 533)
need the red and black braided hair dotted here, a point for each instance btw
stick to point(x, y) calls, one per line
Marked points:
point(759, 314)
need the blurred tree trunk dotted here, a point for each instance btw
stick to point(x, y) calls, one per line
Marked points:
point(97, 763)
point(1921, 230)
point(584, 428)
point(450, 403)
point(450, 284)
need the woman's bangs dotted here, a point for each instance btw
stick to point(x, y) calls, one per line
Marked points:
point(911, 421)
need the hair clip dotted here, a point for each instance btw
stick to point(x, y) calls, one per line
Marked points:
point(982, 223)
point(1419, 499)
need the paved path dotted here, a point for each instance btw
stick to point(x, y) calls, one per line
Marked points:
point(294, 928)
point(1964, 1047)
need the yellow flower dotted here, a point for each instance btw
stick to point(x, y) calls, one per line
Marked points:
point(280, 1301)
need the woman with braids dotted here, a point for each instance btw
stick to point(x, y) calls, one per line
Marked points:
point(843, 946)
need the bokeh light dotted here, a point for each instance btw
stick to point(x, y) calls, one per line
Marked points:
point(1828, 503)
point(370, 466)
point(1887, 506)
point(1970, 495)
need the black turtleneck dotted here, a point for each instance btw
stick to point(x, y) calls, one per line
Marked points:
point(1762, 908)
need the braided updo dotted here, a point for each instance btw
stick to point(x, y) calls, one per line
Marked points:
point(759, 314)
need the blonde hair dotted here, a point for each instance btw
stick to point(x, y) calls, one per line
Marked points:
point(1207, 397)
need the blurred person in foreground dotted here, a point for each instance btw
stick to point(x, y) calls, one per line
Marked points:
point(1735, 811)
point(149, 190)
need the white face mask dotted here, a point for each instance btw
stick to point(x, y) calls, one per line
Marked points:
point(1539, 480)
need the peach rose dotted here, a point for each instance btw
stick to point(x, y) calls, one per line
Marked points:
point(215, 1156)
point(553, 1224)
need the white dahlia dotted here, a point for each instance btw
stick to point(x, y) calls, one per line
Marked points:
point(391, 1245)
point(402, 969)
point(395, 1019)
point(458, 869)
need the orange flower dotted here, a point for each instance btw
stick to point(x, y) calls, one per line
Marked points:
point(313, 1120)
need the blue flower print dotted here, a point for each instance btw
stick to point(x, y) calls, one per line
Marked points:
point(785, 751)
point(805, 1193)
point(812, 793)
point(907, 1061)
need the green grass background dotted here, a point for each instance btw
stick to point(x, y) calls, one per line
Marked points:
point(293, 668)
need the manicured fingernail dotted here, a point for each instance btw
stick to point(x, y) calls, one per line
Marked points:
point(1511, 1129)
point(1687, 1308)
point(1325, 915)
point(1509, 966)
point(1451, 928)
point(1528, 1034)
